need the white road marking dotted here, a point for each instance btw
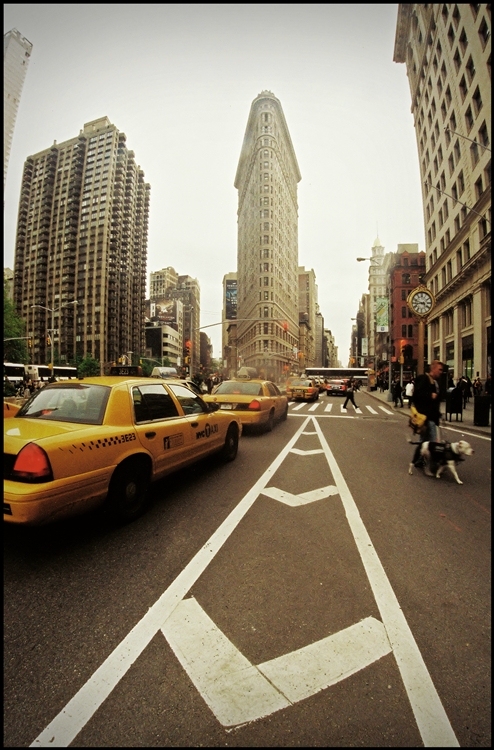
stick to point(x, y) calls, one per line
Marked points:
point(235, 690)
point(300, 452)
point(298, 406)
point(317, 666)
point(314, 406)
point(74, 716)
point(328, 407)
point(386, 410)
point(429, 713)
point(238, 692)
point(462, 432)
point(431, 718)
point(372, 411)
point(358, 410)
point(303, 499)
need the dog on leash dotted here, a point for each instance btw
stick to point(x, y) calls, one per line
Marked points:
point(442, 455)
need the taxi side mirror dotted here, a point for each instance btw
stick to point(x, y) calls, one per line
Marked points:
point(213, 406)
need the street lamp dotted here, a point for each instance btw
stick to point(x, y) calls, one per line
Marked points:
point(52, 331)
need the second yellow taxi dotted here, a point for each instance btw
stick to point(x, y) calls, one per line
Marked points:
point(257, 403)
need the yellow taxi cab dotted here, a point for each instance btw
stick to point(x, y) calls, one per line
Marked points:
point(302, 389)
point(256, 402)
point(77, 444)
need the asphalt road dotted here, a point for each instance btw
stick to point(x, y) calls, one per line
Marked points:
point(310, 593)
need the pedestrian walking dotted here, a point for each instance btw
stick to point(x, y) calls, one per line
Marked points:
point(409, 391)
point(427, 399)
point(397, 393)
point(350, 391)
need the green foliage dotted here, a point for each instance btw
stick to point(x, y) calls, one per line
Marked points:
point(88, 367)
point(147, 367)
point(13, 328)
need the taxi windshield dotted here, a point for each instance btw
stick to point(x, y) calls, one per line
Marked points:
point(306, 383)
point(77, 402)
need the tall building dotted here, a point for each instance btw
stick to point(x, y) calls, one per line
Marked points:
point(161, 282)
point(447, 52)
point(307, 309)
point(82, 237)
point(188, 291)
point(16, 54)
point(267, 254)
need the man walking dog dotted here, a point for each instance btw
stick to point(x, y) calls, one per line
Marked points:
point(427, 399)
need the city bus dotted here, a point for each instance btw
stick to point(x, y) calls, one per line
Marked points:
point(44, 373)
point(13, 372)
point(341, 373)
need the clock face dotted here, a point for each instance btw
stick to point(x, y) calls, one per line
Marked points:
point(421, 302)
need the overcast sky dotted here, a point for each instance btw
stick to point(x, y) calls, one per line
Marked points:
point(179, 81)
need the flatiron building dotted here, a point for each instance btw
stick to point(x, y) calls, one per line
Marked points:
point(267, 331)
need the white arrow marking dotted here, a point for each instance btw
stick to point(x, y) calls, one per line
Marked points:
point(303, 499)
point(237, 691)
point(300, 452)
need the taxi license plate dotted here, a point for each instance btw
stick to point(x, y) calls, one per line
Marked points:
point(226, 406)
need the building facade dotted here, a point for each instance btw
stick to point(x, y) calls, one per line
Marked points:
point(267, 257)
point(188, 292)
point(406, 271)
point(447, 52)
point(307, 311)
point(16, 53)
point(161, 282)
point(81, 246)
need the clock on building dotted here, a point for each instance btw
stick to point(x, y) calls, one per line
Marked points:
point(421, 301)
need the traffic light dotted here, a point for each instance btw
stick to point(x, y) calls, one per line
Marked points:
point(188, 345)
point(30, 343)
point(285, 325)
point(401, 359)
point(48, 341)
point(187, 360)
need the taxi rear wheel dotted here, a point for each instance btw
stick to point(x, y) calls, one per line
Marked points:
point(285, 413)
point(230, 448)
point(127, 495)
point(270, 422)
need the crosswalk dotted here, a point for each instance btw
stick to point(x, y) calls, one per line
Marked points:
point(336, 409)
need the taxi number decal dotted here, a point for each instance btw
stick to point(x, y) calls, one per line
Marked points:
point(173, 441)
point(207, 431)
point(128, 437)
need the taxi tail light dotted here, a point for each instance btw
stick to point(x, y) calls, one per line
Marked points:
point(32, 465)
point(255, 405)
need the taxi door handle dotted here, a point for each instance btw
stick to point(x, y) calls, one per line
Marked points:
point(194, 424)
point(150, 434)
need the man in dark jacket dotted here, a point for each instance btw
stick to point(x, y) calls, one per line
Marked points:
point(427, 399)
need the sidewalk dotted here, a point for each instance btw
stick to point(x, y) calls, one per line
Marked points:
point(467, 416)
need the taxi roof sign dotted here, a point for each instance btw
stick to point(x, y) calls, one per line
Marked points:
point(132, 370)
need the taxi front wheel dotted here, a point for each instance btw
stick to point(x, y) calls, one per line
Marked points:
point(127, 495)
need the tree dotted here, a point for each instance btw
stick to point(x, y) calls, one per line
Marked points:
point(88, 367)
point(13, 328)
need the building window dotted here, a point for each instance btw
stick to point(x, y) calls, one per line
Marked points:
point(466, 251)
point(477, 100)
point(403, 312)
point(478, 188)
point(404, 331)
point(470, 68)
point(484, 33)
point(410, 331)
point(404, 294)
point(463, 88)
point(405, 278)
point(483, 135)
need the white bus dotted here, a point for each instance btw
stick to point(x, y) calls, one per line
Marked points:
point(44, 373)
point(13, 372)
